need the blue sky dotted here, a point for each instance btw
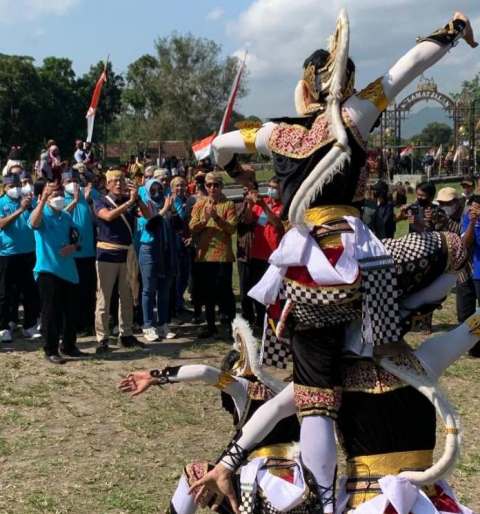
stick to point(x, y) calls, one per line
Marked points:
point(279, 34)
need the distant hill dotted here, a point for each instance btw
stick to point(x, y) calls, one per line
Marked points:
point(417, 121)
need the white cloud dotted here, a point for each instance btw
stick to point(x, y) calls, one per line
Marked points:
point(21, 10)
point(215, 14)
point(280, 34)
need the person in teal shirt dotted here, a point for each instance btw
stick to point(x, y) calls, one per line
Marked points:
point(17, 258)
point(56, 240)
point(77, 205)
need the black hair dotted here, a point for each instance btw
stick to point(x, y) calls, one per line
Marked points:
point(427, 188)
point(229, 360)
point(474, 199)
point(39, 186)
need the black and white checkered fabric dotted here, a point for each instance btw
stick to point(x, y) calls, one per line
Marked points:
point(308, 316)
point(265, 507)
point(321, 295)
point(381, 321)
point(275, 352)
point(247, 501)
point(413, 246)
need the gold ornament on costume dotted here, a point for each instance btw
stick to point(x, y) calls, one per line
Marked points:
point(473, 323)
point(224, 380)
point(374, 93)
point(248, 131)
point(309, 77)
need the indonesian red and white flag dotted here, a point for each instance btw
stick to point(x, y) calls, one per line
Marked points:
point(408, 150)
point(92, 111)
point(203, 148)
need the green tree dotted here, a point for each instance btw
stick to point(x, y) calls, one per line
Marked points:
point(180, 93)
point(434, 134)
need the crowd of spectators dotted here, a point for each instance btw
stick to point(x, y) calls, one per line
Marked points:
point(107, 253)
point(89, 252)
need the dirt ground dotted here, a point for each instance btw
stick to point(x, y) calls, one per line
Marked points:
point(70, 443)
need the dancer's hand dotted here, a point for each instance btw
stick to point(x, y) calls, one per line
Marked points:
point(219, 482)
point(136, 383)
point(468, 36)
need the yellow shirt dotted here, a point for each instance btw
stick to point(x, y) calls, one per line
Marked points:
point(213, 240)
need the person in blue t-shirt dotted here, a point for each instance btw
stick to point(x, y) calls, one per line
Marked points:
point(17, 259)
point(56, 241)
point(78, 207)
point(471, 238)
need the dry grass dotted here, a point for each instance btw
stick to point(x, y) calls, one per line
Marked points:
point(72, 444)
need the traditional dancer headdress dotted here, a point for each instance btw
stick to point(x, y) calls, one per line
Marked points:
point(248, 363)
point(327, 77)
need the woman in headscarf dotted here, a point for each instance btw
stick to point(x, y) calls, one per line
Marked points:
point(157, 260)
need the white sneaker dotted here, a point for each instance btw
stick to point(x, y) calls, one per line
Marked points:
point(32, 333)
point(5, 336)
point(12, 326)
point(165, 332)
point(150, 334)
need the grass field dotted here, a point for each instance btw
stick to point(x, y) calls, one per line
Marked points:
point(70, 443)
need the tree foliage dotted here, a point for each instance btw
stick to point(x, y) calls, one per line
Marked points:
point(434, 134)
point(182, 91)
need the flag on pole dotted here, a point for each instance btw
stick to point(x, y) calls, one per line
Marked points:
point(408, 150)
point(233, 96)
point(439, 153)
point(92, 111)
point(203, 147)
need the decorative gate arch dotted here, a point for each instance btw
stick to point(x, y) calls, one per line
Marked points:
point(461, 111)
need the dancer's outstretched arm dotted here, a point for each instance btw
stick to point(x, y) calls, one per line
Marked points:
point(365, 107)
point(218, 481)
point(138, 382)
point(437, 353)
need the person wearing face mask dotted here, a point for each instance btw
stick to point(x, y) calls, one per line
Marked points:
point(447, 198)
point(423, 215)
point(78, 207)
point(157, 259)
point(383, 220)
point(264, 215)
point(468, 186)
point(17, 258)
point(57, 238)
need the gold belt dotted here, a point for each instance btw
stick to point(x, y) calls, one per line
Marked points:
point(274, 451)
point(103, 245)
point(364, 471)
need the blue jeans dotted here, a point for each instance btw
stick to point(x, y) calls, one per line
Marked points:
point(156, 288)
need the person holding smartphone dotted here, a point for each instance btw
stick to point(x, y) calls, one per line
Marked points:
point(423, 215)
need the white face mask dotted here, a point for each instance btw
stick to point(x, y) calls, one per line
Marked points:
point(57, 203)
point(70, 188)
point(14, 193)
point(27, 189)
point(273, 193)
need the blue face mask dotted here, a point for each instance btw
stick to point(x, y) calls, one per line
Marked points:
point(273, 193)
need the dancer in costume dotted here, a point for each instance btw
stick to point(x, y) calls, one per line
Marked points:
point(245, 387)
point(329, 267)
point(389, 459)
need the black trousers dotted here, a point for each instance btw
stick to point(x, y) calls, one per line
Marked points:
point(466, 299)
point(16, 280)
point(250, 273)
point(59, 312)
point(87, 289)
point(215, 288)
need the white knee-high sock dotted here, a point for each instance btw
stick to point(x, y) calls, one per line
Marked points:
point(182, 501)
point(319, 451)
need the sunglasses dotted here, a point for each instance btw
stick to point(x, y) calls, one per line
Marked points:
point(215, 185)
